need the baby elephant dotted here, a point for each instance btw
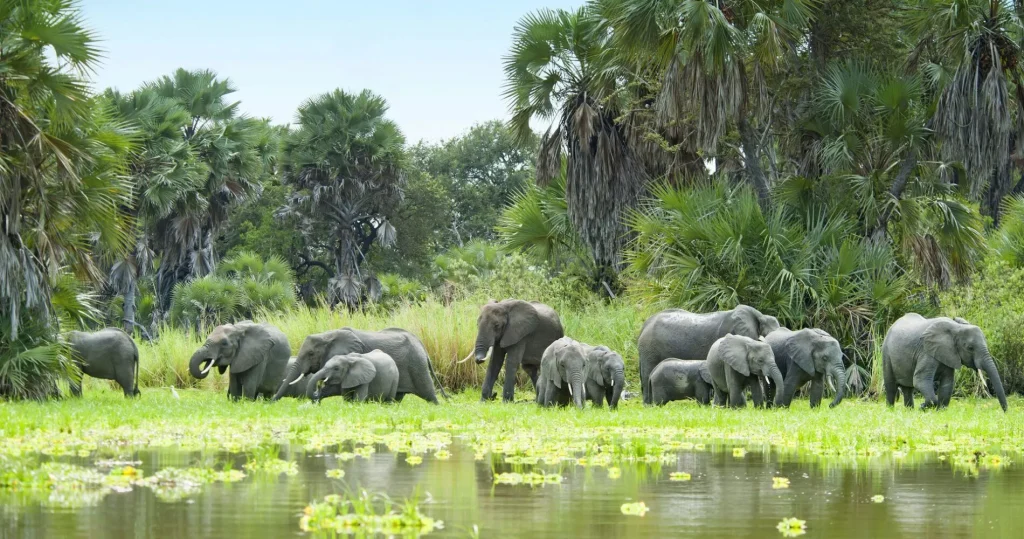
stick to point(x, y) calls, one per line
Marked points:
point(358, 377)
point(561, 378)
point(605, 378)
point(109, 354)
point(678, 379)
point(735, 363)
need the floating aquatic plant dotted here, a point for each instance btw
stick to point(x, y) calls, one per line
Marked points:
point(366, 515)
point(530, 478)
point(614, 472)
point(792, 527)
point(335, 473)
point(780, 482)
point(636, 509)
point(678, 476)
point(878, 498)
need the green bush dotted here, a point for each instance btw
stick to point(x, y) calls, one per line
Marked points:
point(994, 302)
point(1008, 242)
point(243, 286)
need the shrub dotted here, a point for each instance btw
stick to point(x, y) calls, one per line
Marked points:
point(993, 302)
point(1008, 242)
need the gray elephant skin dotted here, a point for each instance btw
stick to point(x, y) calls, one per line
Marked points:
point(296, 390)
point(562, 375)
point(680, 379)
point(676, 333)
point(805, 356)
point(736, 363)
point(358, 377)
point(108, 354)
point(922, 353)
point(513, 333)
point(605, 376)
point(254, 354)
point(415, 373)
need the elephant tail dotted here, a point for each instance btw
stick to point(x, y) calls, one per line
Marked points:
point(437, 380)
point(135, 381)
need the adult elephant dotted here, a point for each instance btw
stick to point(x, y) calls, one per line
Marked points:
point(805, 356)
point(676, 333)
point(256, 355)
point(513, 332)
point(415, 373)
point(109, 354)
point(920, 353)
point(736, 363)
point(358, 377)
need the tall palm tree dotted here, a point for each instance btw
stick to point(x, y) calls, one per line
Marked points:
point(345, 161)
point(61, 182)
point(558, 70)
point(973, 48)
point(230, 147)
point(713, 57)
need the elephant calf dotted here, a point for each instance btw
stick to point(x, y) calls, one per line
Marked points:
point(678, 379)
point(920, 353)
point(358, 377)
point(605, 376)
point(109, 354)
point(736, 363)
point(806, 356)
point(561, 374)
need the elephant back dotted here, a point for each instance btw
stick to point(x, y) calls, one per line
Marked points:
point(407, 352)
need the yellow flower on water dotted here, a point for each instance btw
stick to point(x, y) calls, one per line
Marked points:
point(637, 509)
point(336, 473)
point(129, 471)
point(780, 482)
point(414, 460)
point(878, 498)
point(792, 527)
point(678, 476)
point(614, 473)
point(739, 452)
point(994, 461)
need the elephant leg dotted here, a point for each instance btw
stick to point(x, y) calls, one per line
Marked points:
point(721, 397)
point(361, 393)
point(889, 380)
point(512, 360)
point(947, 377)
point(234, 387)
point(736, 383)
point(399, 397)
point(908, 396)
point(250, 384)
point(493, 368)
point(533, 371)
point(924, 381)
point(126, 380)
point(817, 388)
point(756, 393)
point(702, 393)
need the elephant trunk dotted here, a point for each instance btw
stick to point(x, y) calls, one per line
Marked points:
point(989, 366)
point(776, 375)
point(484, 346)
point(839, 375)
point(201, 357)
point(313, 385)
point(291, 376)
point(576, 388)
point(618, 386)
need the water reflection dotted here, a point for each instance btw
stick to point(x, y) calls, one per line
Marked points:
point(726, 496)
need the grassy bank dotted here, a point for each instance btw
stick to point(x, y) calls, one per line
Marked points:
point(105, 424)
point(447, 331)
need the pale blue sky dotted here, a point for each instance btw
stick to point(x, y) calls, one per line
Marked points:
point(437, 62)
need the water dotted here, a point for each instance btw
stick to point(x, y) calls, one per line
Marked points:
point(727, 496)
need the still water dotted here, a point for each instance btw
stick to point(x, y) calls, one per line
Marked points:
point(726, 496)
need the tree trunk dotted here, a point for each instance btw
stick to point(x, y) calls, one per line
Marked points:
point(128, 308)
point(896, 193)
point(752, 165)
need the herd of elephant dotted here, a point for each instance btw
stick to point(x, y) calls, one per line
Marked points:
point(708, 357)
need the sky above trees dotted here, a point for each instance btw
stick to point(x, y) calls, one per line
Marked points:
point(437, 63)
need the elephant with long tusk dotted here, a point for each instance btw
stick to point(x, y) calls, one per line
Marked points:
point(256, 354)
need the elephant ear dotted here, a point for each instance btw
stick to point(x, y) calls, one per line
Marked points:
point(595, 365)
point(360, 372)
point(549, 365)
point(735, 353)
point(739, 323)
point(705, 374)
point(253, 344)
point(522, 321)
point(939, 342)
point(800, 348)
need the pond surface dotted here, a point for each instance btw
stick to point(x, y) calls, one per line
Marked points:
point(728, 494)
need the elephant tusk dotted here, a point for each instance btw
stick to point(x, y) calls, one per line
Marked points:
point(465, 359)
point(301, 376)
point(570, 389)
point(830, 384)
point(488, 356)
point(613, 382)
point(207, 368)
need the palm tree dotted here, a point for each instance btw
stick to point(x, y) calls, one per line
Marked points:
point(558, 69)
point(713, 58)
point(974, 48)
point(235, 154)
point(345, 161)
point(61, 183)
